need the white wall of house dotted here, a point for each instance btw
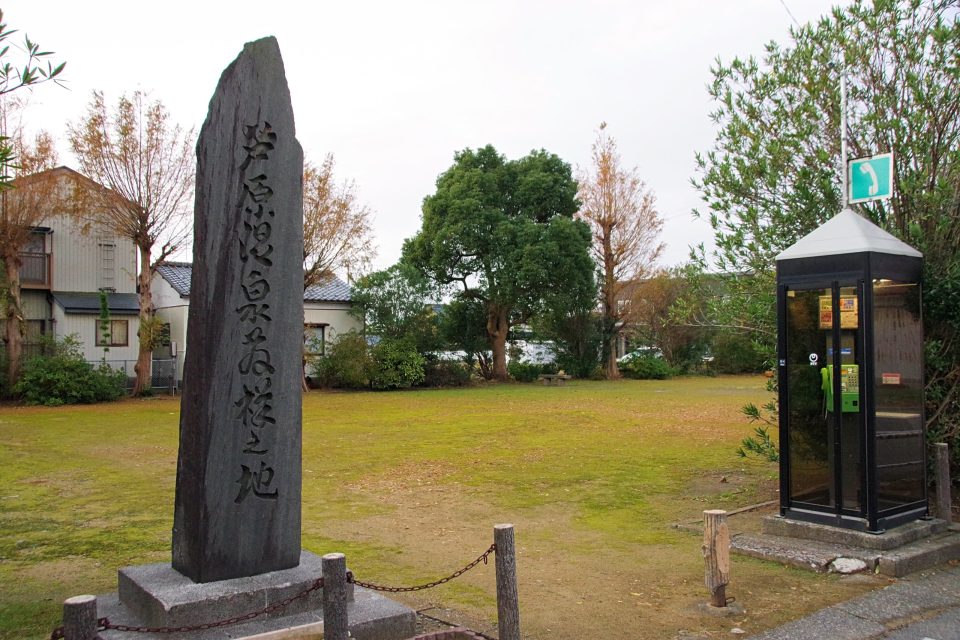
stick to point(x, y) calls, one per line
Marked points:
point(92, 261)
point(172, 309)
point(335, 315)
point(85, 327)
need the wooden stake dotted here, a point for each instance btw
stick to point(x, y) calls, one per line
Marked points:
point(716, 555)
point(942, 453)
point(508, 604)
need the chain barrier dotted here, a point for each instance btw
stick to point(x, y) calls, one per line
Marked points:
point(456, 574)
point(104, 624)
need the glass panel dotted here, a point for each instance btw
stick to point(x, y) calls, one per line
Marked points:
point(811, 451)
point(898, 353)
point(118, 329)
point(851, 422)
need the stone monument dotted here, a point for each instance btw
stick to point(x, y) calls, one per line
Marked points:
point(237, 507)
point(236, 528)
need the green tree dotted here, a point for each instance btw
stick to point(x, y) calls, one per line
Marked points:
point(502, 233)
point(396, 303)
point(771, 176)
point(463, 327)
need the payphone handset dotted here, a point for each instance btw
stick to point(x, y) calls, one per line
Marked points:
point(849, 387)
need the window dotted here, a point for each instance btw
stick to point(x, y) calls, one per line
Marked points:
point(108, 266)
point(313, 339)
point(118, 336)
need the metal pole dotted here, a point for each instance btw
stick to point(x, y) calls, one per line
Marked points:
point(335, 625)
point(508, 605)
point(843, 138)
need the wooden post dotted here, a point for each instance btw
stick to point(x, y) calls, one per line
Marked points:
point(80, 618)
point(508, 604)
point(716, 555)
point(942, 453)
point(335, 624)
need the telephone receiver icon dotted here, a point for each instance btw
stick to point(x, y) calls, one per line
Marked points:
point(867, 170)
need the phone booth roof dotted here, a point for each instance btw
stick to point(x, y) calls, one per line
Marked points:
point(846, 233)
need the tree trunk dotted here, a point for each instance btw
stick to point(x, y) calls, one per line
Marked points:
point(497, 328)
point(611, 369)
point(611, 314)
point(145, 353)
point(13, 320)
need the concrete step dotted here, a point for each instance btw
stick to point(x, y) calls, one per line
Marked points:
point(820, 556)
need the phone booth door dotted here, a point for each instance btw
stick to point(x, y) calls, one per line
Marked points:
point(823, 393)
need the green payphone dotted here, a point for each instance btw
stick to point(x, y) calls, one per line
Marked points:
point(849, 371)
point(849, 387)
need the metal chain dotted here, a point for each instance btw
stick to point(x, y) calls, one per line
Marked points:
point(104, 624)
point(456, 574)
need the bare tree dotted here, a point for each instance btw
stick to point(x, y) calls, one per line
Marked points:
point(34, 193)
point(337, 232)
point(147, 164)
point(622, 215)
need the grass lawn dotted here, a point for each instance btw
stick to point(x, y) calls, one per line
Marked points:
point(409, 486)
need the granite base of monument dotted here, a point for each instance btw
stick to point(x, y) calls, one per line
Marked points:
point(156, 595)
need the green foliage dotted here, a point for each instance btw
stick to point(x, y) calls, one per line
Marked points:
point(396, 364)
point(463, 327)
point(445, 373)
point(346, 363)
point(528, 371)
point(17, 75)
point(103, 323)
point(760, 445)
point(646, 368)
point(64, 377)
point(396, 303)
point(772, 175)
point(737, 353)
point(502, 234)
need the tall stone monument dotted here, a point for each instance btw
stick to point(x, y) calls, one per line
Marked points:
point(237, 507)
point(236, 525)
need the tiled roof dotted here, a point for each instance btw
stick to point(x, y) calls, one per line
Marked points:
point(178, 275)
point(333, 290)
point(120, 304)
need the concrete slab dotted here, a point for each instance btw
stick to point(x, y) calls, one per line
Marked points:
point(803, 554)
point(371, 616)
point(160, 596)
point(921, 555)
point(829, 623)
point(779, 526)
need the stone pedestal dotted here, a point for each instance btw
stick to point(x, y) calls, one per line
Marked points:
point(156, 595)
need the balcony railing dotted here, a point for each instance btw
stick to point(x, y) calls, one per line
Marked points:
point(34, 269)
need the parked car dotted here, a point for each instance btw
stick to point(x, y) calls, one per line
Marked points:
point(640, 352)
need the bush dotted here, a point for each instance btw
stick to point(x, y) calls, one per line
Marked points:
point(64, 377)
point(396, 364)
point(646, 368)
point(445, 373)
point(528, 371)
point(346, 363)
point(735, 353)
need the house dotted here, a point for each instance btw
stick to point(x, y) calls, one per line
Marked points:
point(65, 264)
point(326, 311)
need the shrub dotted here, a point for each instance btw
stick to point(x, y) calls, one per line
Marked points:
point(346, 363)
point(646, 368)
point(528, 371)
point(735, 353)
point(396, 364)
point(445, 373)
point(63, 377)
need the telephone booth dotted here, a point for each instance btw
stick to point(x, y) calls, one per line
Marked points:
point(850, 349)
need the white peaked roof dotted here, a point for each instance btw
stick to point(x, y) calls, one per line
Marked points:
point(847, 232)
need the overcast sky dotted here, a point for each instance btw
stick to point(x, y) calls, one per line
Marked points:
point(393, 88)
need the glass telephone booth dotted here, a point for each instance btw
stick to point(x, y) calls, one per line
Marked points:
point(850, 349)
